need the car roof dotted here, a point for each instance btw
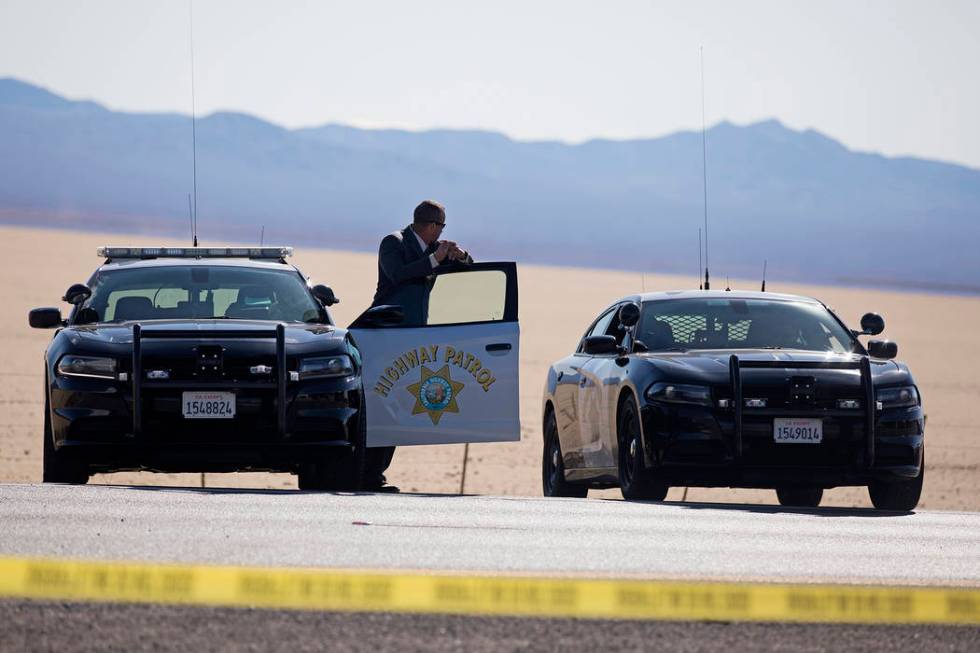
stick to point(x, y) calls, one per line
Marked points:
point(163, 262)
point(716, 294)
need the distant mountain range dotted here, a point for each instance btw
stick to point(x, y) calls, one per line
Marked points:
point(811, 207)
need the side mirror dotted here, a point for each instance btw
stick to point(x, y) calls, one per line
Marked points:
point(597, 345)
point(380, 316)
point(77, 294)
point(44, 318)
point(325, 295)
point(629, 314)
point(872, 324)
point(882, 349)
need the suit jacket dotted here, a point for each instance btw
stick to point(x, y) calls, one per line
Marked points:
point(405, 274)
point(401, 261)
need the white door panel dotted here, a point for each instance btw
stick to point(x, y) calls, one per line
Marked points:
point(441, 384)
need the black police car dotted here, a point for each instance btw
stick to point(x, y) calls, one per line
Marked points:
point(201, 359)
point(223, 359)
point(732, 389)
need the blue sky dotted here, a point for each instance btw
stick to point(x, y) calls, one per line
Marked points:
point(887, 76)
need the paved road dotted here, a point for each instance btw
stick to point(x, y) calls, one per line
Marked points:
point(31, 626)
point(489, 534)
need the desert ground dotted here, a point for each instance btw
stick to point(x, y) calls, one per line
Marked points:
point(933, 331)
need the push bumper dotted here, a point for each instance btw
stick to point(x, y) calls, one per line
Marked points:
point(705, 446)
point(93, 420)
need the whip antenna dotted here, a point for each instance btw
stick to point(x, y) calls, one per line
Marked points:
point(700, 285)
point(262, 236)
point(704, 174)
point(765, 263)
point(190, 213)
point(193, 128)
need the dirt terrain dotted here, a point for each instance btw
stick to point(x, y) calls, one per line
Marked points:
point(556, 305)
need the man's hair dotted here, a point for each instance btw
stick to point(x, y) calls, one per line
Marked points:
point(429, 211)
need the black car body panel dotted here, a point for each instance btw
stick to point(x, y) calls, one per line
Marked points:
point(135, 421)
point(724, 442)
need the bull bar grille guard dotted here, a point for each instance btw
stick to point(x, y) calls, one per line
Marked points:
point(279, 333)
point(735, 367)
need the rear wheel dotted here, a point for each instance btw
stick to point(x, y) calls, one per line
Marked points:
point(342, 471)
point(58, 468)
point(801, 497)
point(553, 467)
point(636, 482)
point(897, 495)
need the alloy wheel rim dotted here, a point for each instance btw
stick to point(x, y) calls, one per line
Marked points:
point(555, 457)
point(551, 462)
point(630, 462)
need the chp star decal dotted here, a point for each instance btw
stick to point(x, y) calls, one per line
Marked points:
point(435, 394)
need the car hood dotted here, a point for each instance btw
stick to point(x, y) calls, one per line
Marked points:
point(298, 336)
point(712, 365)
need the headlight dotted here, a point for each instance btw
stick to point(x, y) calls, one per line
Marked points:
point(898, 397)
point(90, 366)
point(680, 393)
point(313, 368)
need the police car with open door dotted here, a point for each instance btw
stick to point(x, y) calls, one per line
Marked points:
point(227, 359)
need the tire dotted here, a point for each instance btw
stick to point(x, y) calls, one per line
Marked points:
point(341, 471)
point(553, 481)
point(898, 495)
point(800, 497)
point(636, 482)
point(58, 468)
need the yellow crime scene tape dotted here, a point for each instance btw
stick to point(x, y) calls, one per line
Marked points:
point(426, 593)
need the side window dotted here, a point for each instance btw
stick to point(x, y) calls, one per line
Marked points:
point(467, 297)
point(615, 328)
point(478, 293)
point(600, 327)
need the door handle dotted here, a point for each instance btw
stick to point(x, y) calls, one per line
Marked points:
point(499, 346)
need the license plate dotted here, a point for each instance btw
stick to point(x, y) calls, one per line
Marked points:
point(208, 405)
point(802, 431)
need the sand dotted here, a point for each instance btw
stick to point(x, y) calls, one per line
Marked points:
point(934, 333)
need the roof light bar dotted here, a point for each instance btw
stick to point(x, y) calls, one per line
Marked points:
point(110, 252)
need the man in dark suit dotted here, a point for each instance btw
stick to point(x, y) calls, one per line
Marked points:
point(406, 260)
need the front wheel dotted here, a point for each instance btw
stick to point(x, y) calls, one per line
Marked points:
point(897, 495)
point(553, 467)
point(57, 467)
point(635, 480)
point(801, 497)
point(341, 471)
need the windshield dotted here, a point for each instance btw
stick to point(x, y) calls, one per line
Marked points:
point(199, 292)
point(740, 324)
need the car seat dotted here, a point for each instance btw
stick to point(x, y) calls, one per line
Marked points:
point(135, 308)
point(253, 302)
point(658, 335)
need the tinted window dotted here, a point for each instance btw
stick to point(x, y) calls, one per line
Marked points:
point(740, 324)
point(201, 292)
point(462, 297)
point(600, 327)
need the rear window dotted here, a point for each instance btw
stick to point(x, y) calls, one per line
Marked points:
point(199, 292)
point(740, 324)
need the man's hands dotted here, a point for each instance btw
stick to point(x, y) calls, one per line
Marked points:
point(449, 250)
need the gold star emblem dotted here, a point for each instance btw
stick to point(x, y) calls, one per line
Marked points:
point(435, 394)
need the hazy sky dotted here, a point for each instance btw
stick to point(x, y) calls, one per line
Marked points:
point(893, 77)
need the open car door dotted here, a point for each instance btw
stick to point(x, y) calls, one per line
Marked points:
point(445, 369)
